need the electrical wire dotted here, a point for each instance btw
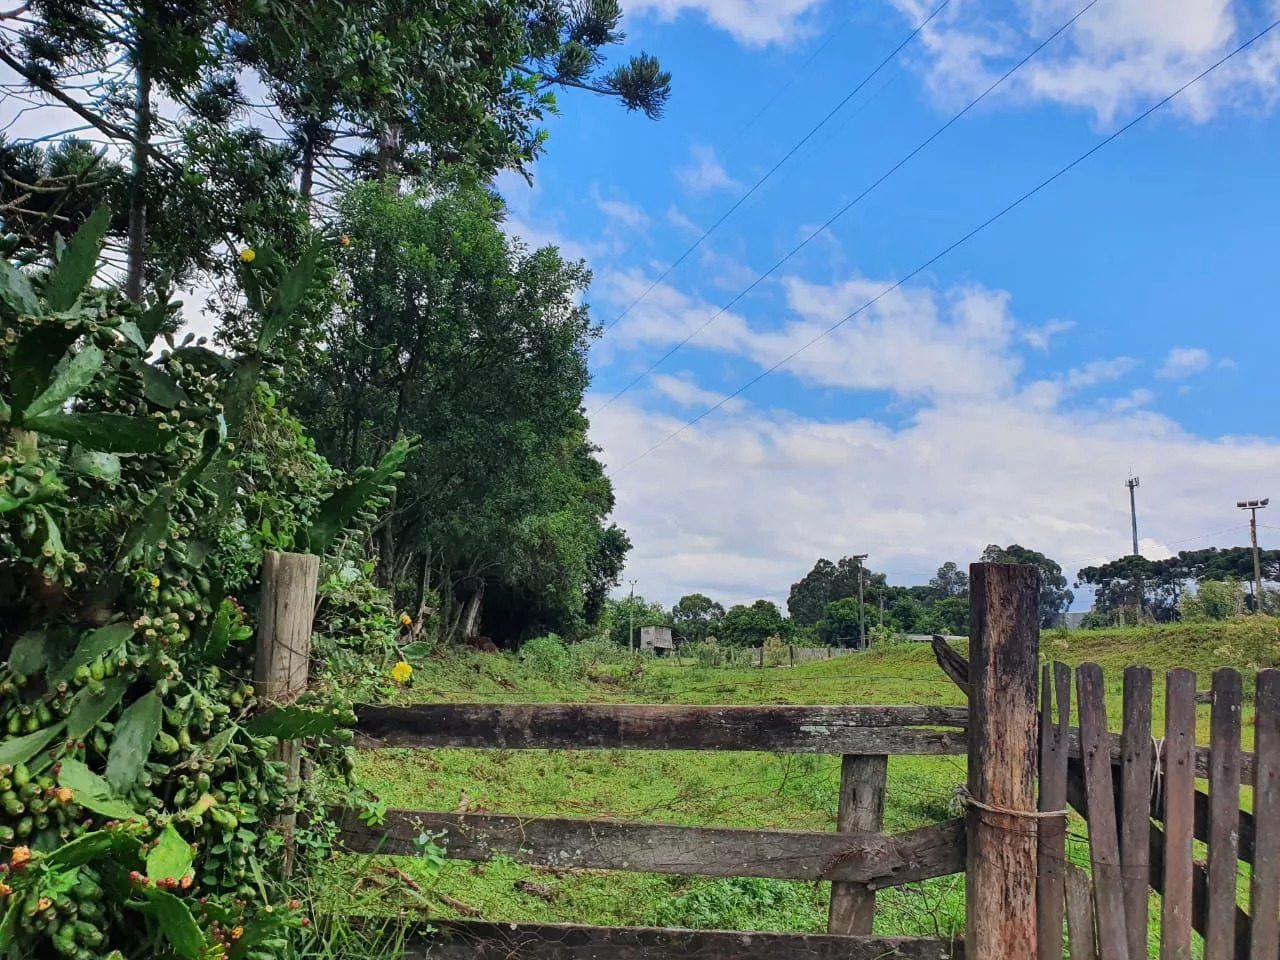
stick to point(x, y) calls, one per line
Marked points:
point(846, 208)
point(1062, 171)
point(774, 169)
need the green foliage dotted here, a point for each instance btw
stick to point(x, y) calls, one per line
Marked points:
point(546, 657)
point(143, 717)
point(1213, 600)
point(624, 617)
point(1055, 598)
point(696, 617)
point(841, 625)
point(742, 903)
point(750, 626)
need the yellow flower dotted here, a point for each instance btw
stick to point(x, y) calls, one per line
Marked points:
point(5, 889)
point(247, 255)
point(63, 794)
point(405, 620)
point(20, 856)
point(237, 933)
point(401, 672)
point(44, 903)
point(155, 583)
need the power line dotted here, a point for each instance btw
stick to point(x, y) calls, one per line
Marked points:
point(774, 169)
point(845, 209)
point(962, 240)
point(777, 94)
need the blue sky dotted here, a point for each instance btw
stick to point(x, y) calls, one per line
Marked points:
point(1118, 320)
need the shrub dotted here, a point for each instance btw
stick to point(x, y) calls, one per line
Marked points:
point(598, 652)
point(137, 492)
point(547, 657)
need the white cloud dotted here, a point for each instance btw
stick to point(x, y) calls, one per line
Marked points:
point(1183, 362)
point(912, 342)
point(754, 23)
point(621, 213)
point(676, 217)
point(684, 390)
point(705, 174)
point(1118, 57)
point(1041, 337)
point(740, 505)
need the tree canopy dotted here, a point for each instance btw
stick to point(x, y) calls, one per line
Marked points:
point(1055, 597)
point(695, 617)
point(751, 626)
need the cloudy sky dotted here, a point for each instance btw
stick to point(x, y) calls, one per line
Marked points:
point(1118, 320)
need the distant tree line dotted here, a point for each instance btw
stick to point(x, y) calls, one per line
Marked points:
point(1195, 584)
point(823, 607)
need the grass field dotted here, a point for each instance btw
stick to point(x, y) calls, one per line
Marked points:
point(725, 789)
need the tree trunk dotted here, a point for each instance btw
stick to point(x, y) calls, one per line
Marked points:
point(471, 612)
point(388, 146)
point(138, 185)
point(424, 581)
point(306, 175)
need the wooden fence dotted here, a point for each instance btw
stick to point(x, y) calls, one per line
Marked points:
point(1011, 843)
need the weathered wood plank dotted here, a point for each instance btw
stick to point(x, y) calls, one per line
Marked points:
point(1104, 843)
point(1265, 893)
point(552, 726)
point(1081, 937)
point(1179, 814)
point(957, 668)
point(1245, 839)
point(1136, 759)
point(873, 859)
point(1201, 757)
point(1000, 878)
point(1224, 815)
point(1052, 851)
point(477, 940)
point(1199, 894)
point(861, 809)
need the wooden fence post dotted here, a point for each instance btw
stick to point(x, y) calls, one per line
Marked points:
point(1004, 648)
point(862, 786)
point(280, 668)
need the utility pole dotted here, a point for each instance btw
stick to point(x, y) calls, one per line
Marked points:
point(1253, 506)
point(1132, 484)
point(631, 612)
point(862, 617)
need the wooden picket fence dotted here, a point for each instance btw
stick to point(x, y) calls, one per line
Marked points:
point(1137, 792)
point(1139, 795)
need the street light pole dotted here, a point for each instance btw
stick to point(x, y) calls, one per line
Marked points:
point(1132, 484)
point(631, 612)
point(1253, 506)
point(862, 616)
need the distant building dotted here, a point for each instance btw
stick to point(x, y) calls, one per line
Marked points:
point(656, 639)
point(1073, 620)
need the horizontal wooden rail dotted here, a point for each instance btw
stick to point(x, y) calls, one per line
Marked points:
point(560, 726)
point(875, 859)
point(479, 940)
point(955, 666)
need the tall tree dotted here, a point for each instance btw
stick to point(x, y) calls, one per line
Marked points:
point(751, 626)
point(826, 582)
point(417, 89)
point(695, 617)
point(457, 334)
point(1055, 598)
point(949, 581)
